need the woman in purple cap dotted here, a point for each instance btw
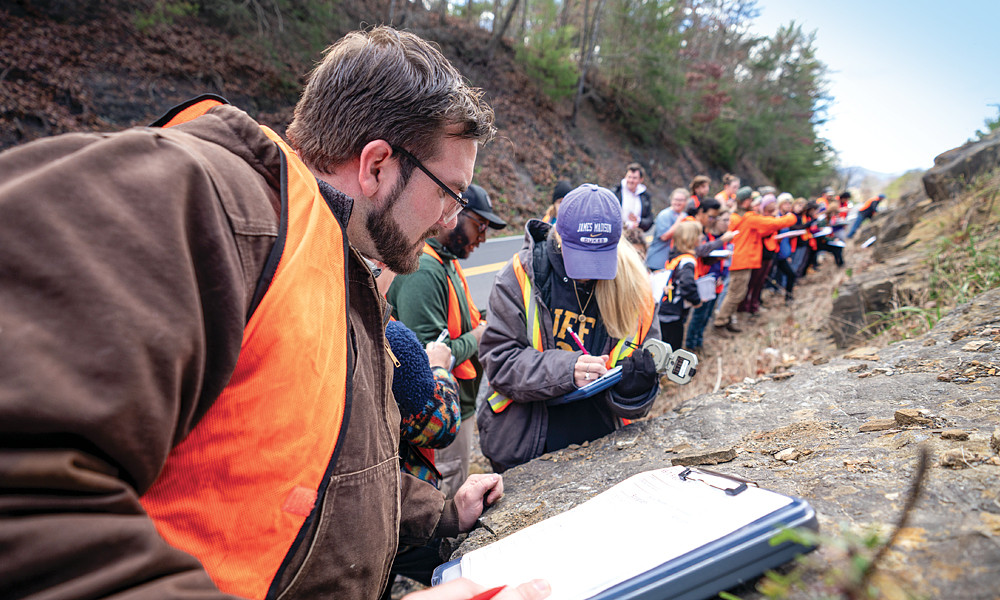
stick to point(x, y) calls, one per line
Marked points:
point(572, 304)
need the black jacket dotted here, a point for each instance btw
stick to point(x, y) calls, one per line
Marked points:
point(646, 219)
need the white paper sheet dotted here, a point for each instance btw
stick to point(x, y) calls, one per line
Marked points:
point(629, 529)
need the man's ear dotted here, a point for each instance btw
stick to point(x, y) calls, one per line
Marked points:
point(378, 168)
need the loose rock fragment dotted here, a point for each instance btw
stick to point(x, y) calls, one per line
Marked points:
point(961, 333)
point(857, 368)
point(945, 377)
point(878, 425)
point(709, 457)
point(930, 342)
point(860, 465)
point(912, 416)
point(977, 346)
point(787, 454)
point(955, 459)
point(870, 354)
point(954, 434)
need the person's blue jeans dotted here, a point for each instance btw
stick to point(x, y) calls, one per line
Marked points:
point(857, 223)
point(699, 320)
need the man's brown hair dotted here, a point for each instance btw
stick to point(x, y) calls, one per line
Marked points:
point(636, 167)
point(699, 180)
point(384, 84)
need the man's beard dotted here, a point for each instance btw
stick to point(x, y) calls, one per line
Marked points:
point(390, 242)
point(457, 243)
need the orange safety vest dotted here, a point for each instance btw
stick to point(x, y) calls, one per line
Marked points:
point(700, 268)
point(466, 370)
point(671, 266)
point(236, 492)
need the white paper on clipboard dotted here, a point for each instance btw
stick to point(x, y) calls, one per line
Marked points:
point(598, 544)
point(658, 281)
point(788, 234)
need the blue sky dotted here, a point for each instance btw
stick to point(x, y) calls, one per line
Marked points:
point(910, 79)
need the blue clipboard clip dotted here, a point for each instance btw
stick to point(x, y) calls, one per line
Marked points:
point(712, 479)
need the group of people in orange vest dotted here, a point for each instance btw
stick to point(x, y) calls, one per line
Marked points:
point(716, 255)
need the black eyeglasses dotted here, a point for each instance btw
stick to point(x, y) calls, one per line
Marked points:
point(480, 224)
point(457, 197)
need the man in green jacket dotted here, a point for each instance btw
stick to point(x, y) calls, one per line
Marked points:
point(435, 299)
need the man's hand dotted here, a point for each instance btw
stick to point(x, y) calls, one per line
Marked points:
point(464, 589)
point(469, 498)
point(728, 236)
point(478, 331)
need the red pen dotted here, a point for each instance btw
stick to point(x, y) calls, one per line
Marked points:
point(577, 340)
point(488, 593)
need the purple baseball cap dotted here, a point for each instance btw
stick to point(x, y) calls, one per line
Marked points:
point(590, 225)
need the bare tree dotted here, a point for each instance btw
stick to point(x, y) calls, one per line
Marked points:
point(499, 33)
point(587, 46)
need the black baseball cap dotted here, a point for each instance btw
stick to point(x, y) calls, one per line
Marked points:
point(479, 203)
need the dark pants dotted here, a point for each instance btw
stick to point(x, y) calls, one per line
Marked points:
point(751, 304)
point(836, 251)
point(801, 258)
point(699, 320)
point(673, 332)
point(785, 275)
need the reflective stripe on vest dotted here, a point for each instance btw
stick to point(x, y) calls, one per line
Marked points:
point(236, 492)
point(680, 259)
point(532, 323)
point(624, 348)
point(466, 370)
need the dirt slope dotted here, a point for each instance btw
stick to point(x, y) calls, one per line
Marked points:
point(93, 69)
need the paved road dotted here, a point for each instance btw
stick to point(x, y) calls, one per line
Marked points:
point(482, 265)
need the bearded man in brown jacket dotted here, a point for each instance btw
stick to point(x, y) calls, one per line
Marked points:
point(195, 390)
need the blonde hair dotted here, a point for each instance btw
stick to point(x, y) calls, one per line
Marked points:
point(626, 299)
point(687, 236)
point(550, 213)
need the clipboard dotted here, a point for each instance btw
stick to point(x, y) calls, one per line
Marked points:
point(712, 563)
point(610, 378)
point(790, 233)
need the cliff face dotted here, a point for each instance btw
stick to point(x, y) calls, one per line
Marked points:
point(842, 435)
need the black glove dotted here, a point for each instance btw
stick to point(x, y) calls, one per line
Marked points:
point(638, 375)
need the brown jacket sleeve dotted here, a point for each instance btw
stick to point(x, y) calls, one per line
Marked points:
point(124, 278)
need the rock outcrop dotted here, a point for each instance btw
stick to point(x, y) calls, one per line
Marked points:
point(957, 167)
point(843, 435)
point(869, 295)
